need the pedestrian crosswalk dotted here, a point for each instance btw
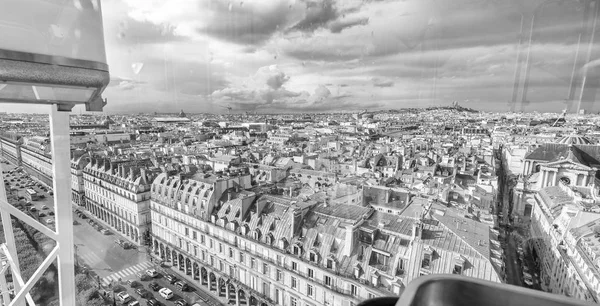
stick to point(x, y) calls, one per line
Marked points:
point(90, 259)
point(127, 272)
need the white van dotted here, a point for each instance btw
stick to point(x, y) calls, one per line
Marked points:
point(166, 293)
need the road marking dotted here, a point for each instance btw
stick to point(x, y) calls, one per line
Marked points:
point(90, 258)
point(126, 272)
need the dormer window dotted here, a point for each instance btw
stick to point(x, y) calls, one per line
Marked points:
point(232, 225)
point(375, 279)
point(269, 238)
point(296, 250)
point(426, 261)
point(357, 270)
point(459, 265)
point(330, 264)
point(256, 234)
point(282, 243)
point(457, 269)
point(313, 256)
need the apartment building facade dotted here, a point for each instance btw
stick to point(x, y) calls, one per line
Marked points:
point(78, 163)
point(10, 148)
point(117, 192)
point(275, 250)
point(565, 241)
point(36, 158)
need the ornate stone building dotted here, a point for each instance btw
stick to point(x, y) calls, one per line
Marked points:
point(117, 192)
point(571, 160)
point(261, 249)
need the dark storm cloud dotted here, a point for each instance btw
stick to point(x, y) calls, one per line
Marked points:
point(243, 24)
point(339, 25)
point(141, 32)
point(318, 14)
point(463, 24)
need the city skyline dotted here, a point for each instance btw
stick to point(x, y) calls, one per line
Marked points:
point(314, 56)
point(299, 152)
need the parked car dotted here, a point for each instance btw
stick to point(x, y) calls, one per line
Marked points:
point(49, 221)
point(123, 297)
point(142, 292)
point(44, 207)
point(166, 293)
point(181, 286)
point(171, 278)
point(142, 276)
point(151, 273)
point(154, 286)
point(181, 303)
point(528, 280)
point(134, 303)
point(152, 302)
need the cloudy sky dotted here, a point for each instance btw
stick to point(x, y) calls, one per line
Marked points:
point(325, 55)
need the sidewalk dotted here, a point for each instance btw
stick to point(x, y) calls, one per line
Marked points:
point(113, 230)
point(203, 293)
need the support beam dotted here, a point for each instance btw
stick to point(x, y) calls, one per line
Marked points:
point(4, 285)
point(61, 169)
point(27, 219)
point(16, 274)
point(35, 277)
point(10, 247)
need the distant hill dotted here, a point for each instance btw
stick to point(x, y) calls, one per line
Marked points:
point(415, 110)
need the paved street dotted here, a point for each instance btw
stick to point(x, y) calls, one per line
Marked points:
point(101, 253)
point(93, 249)
point(191, 295)
point(513, 269)
point(103, 256)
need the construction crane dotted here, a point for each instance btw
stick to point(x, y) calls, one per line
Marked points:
point(562, 116)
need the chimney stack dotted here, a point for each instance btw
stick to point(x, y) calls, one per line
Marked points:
point(350, 240)
point(416, 230)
